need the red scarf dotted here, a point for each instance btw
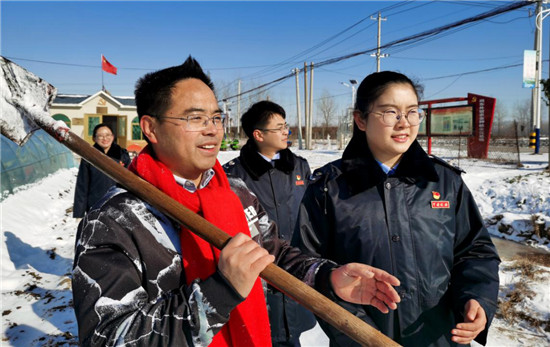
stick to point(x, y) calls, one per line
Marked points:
point(248, 324)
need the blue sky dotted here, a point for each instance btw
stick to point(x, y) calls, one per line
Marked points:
point(259, 42)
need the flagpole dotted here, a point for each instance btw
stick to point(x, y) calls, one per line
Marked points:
point(102, 85)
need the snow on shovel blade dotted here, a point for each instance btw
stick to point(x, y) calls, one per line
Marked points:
point(24, 102)
point(26, 96)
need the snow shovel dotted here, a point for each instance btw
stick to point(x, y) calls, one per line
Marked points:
point(24, 105)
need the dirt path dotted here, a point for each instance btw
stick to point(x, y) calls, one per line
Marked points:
point(509, 249)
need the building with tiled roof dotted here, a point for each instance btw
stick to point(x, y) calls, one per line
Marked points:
point(83, 112)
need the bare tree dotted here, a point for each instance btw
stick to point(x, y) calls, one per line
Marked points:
point(546, 89)
point(522, 113)
point(501, 113)
point(255, 96)
point(227, 92)
point(327, 108)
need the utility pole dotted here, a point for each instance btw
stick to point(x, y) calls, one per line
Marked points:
point(378, 55)
point(538, 77)
point(296, 72)
point(310, 110)
point(239, 110)
point(542, 15)
point(306, 104)
point(228, 120)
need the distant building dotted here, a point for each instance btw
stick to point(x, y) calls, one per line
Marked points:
point(83, 112)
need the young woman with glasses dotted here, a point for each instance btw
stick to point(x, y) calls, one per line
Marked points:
point(388, 204)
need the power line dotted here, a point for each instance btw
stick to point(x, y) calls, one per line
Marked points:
point(432, 32)
point(394, 45)
point(477, 71)
point(320, 44)
point(127, 68)
point(407, 40)
point(456, 59)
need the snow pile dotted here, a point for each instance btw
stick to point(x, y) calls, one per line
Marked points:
point(38, 244)
point(515, 203)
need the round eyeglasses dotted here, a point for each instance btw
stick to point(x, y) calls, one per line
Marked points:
point(391, 116)
point(199, 122)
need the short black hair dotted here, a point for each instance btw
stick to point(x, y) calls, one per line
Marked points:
point(153, 91)
point(258, 115)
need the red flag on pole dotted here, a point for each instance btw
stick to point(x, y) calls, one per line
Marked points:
point(107, 67)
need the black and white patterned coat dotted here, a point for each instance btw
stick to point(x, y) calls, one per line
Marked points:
point(129, 286)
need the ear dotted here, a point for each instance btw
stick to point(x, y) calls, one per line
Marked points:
point(258, 135)
point(149, 125)
point(360, 121)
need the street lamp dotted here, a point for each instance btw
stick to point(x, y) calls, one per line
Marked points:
point(227, 112)
point(346, 124)
point(351, 84)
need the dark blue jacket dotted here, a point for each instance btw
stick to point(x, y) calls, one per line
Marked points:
point(279, 189)
point(92, 184)
point(421, 224)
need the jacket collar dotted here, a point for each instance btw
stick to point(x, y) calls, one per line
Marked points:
point(256, 166)
point(114, 152)
point(361, 171)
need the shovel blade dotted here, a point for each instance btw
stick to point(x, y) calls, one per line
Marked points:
point(24, 101)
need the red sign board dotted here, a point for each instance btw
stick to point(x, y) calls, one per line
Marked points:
point(484, 111)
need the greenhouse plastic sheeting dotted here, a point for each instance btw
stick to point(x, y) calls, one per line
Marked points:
point(39, 157)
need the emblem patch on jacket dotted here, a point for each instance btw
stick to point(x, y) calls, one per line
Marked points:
point(299, 180)
point(437, 203)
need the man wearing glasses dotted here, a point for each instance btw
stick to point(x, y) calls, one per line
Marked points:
point(141, 279)
point(278, 178)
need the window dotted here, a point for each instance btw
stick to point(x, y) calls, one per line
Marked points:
point(92, 122)
point(136, 130)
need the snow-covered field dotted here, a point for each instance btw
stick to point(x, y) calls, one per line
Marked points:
point(38, 237)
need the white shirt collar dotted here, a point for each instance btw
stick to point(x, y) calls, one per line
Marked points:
point(190, 186)
point(270, 160)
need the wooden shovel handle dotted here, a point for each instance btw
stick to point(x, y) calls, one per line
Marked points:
point(320, 305)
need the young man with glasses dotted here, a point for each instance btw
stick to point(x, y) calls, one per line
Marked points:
point(279, 179)
point(141, 279)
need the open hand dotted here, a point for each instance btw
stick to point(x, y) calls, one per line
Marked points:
point(474, 323)
point(366, 285)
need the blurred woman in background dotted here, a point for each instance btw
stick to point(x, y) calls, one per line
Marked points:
point(92, 184)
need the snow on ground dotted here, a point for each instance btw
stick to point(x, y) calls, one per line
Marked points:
point(36, 259)
point(38, 239)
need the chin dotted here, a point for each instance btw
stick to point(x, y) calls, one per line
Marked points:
point(208, 164)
